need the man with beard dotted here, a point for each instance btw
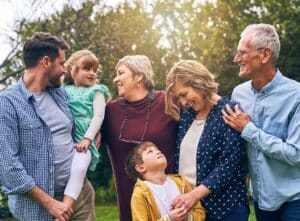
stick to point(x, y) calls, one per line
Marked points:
point(36, 146)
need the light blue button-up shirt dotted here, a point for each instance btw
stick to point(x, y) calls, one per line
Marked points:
point(26, 150)
point(273, 139)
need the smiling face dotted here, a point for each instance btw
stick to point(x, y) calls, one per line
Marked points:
point(248, 57)
point(189, 97)
point(85, 77)
point(126, 81)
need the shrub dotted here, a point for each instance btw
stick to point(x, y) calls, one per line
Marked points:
point(4, 211)
point(106, 195)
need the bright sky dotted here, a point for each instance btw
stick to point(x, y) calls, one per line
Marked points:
point(15, 10)
point(12, 10)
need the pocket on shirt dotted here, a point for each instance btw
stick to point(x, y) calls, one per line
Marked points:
point(277, 129)
point(30, 133)
point(30, 125)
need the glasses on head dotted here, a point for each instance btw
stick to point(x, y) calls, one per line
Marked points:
point(241, 53)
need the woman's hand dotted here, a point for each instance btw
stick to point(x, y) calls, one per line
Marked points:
point(83, 145)
point(98, 140)
point(189, 200)
point(186, 201)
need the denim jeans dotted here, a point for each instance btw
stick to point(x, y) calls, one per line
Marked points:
point(237, 214)
point(289, 211)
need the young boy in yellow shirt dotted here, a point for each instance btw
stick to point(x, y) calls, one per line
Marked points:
point(154, 189)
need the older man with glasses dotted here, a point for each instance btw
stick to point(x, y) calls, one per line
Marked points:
point(269, 120)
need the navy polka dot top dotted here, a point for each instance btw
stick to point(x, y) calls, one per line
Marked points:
point(220, 161)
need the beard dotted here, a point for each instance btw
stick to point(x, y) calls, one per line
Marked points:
point(55, 82)
point(54, 79)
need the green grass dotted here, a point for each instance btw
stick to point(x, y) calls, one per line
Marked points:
point(110, 213)
point(252, 216)
point(107, 213)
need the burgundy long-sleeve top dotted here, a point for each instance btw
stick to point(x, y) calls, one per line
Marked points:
point(161, 130)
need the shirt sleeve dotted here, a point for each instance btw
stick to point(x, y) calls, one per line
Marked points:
point(13, 176)
point(287, 151)
point(98, 116)
point(198, 212)
point(228, 161)
point(139, 209)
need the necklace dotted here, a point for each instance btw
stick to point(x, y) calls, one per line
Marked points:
point(199, 122)
point(121, 138)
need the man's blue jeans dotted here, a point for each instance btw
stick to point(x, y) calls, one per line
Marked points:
point(289, 211)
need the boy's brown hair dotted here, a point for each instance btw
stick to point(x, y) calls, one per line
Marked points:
point(135, 157)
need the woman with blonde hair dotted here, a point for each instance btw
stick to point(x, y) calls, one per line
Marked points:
point(136, 116)
point(208, 152)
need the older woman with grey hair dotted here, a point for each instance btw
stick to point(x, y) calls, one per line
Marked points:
point(137, 115)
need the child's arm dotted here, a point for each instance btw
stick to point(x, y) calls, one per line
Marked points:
point(177, 214)
point(96, 122)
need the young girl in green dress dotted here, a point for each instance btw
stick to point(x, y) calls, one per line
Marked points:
point(86, 100)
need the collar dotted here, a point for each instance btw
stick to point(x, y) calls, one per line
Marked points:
point(150, 96)
point(271, 85)
point(27, 94)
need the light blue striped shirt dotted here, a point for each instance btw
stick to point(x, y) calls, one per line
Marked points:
point(273, 139)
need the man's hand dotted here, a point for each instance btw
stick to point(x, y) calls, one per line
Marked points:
point(83, 145)
point(236, 119)
point(60, 210)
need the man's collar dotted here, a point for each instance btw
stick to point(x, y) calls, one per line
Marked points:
point(272, 84)
point(27, 94)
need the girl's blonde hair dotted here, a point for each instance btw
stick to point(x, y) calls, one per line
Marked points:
point(80, 59)
point(189, 73)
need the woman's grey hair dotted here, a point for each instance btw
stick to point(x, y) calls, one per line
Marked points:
point(139, 64)
point(264, 36)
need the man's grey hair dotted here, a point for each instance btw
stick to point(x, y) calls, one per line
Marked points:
point(139, 64)
point(264, 36)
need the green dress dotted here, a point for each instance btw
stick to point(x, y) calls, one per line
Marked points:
point(80, 101)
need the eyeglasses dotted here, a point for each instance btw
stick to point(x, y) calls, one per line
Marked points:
point(241, 53)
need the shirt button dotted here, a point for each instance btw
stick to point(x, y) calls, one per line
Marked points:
point(51, 170)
